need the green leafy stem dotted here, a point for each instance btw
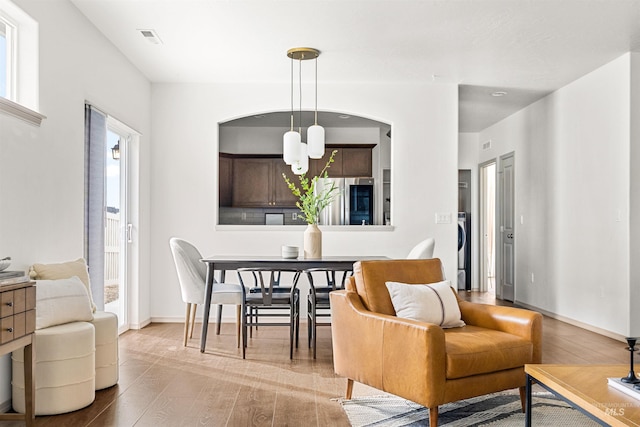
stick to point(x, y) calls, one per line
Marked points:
point(312, 202)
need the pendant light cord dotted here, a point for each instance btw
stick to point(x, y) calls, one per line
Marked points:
point(292, 93)
point(300, 94)
point(316, 114)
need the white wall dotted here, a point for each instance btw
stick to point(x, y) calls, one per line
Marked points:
point(184, 173)
point(42, 168)
point(572, 167)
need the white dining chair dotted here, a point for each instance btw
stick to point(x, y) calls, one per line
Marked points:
point(192, 277)
point(423, 250)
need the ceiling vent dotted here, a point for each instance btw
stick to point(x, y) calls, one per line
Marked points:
point(151, 36)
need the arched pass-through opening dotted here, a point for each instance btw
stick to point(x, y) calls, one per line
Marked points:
point(251, 189)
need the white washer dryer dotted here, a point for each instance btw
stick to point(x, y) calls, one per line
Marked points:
point(462, 250)
point(462, 240)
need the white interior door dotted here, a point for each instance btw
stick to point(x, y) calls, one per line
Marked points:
point(488, 226)
point(506, 207)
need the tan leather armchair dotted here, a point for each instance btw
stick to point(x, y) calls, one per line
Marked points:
point(421, 361)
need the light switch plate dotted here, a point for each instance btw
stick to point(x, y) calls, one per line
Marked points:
point(443, 218)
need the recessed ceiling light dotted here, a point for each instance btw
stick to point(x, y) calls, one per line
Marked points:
point(499, 93)
point(344, 116)
point(151, 36)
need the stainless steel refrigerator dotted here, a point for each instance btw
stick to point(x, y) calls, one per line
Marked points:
point(354, 204)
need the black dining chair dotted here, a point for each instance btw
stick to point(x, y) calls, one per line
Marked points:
point(270, 300)
point(318, 299)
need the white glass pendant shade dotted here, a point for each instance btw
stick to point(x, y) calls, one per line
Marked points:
point(315, 141)
point(302, 165)
point(291, 147)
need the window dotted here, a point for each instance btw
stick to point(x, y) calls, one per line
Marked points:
point(7, 61)
point(18, 63)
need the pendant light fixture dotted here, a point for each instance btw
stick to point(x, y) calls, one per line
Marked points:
point(315, 133)
point(295, 152)
point(292, 139)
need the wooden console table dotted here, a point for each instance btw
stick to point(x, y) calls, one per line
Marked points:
point(585, 387)
point(17, 324)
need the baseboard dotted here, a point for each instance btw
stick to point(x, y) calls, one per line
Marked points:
point(5, 406)
point(574, 322)
point(142, 324)
point(171, 320)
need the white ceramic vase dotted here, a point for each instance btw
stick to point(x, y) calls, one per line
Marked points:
point(312, 242)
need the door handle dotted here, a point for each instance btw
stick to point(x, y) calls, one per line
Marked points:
point(129, 233)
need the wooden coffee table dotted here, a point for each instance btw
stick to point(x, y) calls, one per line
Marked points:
point(585, 386)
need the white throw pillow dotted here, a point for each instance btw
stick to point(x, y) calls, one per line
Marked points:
point(64, 270)
point(61, 301)
point(430, 303)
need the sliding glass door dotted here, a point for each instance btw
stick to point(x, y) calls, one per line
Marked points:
point(108, 227)
point(116, 224)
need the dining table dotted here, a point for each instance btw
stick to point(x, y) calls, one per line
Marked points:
point(222, 263)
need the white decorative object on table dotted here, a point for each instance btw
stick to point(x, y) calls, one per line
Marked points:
point(312, 242)
point(290, 252)
point(5, 263)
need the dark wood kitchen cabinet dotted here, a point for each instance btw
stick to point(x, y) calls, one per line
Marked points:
point(357, 162)
point(334, 171)
point(225, 182)
point(282, 196)
point(258, 182)
point(349, 161)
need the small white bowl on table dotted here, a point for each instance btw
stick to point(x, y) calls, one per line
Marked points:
point(290, 252)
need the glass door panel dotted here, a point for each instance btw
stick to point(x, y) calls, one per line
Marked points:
point(115, 289)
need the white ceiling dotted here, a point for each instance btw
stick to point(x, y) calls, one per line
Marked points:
point(526, 48)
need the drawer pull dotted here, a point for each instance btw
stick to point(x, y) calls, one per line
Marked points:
point(10, 303)
point(9, 329)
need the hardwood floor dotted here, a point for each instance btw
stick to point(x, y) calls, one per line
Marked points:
point(163, 383)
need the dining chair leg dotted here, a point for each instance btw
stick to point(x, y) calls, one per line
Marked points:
point(219, 319)
point(297, 320)
point(238, 323)
point(314, 331)
point(312, 326)
point(244, 331)
point(255, 314)
point(292, 327)
point(251, 320)
point(186, 324)
point(192, 322)
point(309, 308)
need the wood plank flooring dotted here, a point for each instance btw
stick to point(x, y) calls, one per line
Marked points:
point(163, 383)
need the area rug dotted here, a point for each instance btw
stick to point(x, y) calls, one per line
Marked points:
point(496, 410)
